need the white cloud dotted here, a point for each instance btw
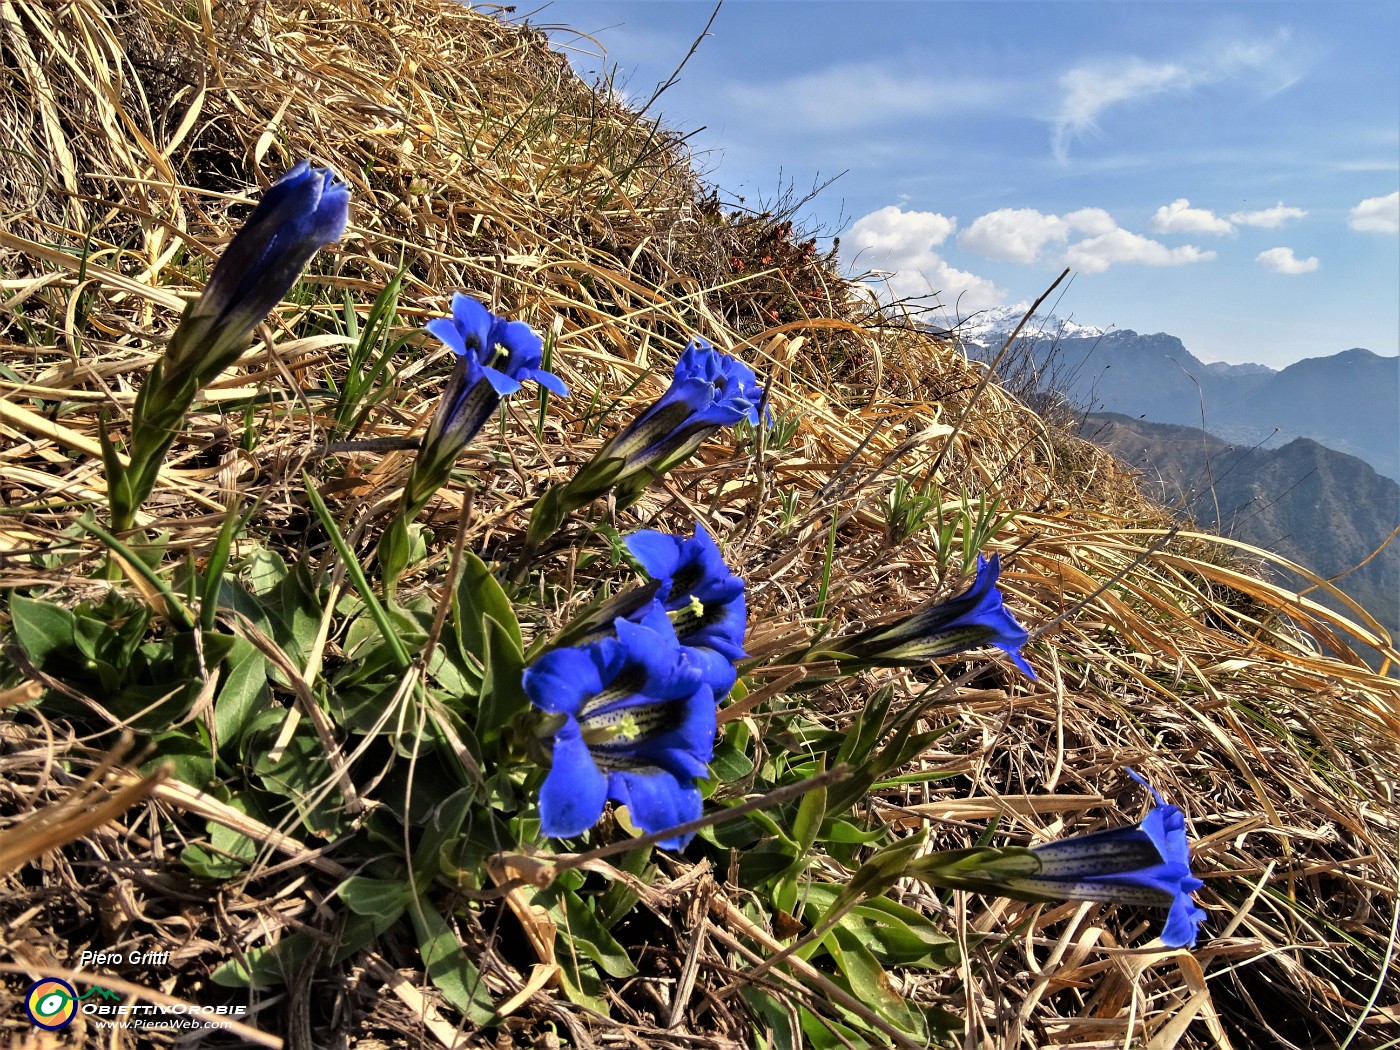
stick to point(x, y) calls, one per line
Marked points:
point(1089, 90)
point(1377, 215)
point(1019, 234)
point(1180, 217)
point(1023, 234)
point(901, 243)
point(892, 229)
point(1282, 260)
point(1097, 254)
point(859, 95)
point(1268, 218)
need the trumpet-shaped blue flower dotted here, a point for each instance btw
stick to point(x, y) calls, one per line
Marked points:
point(975, 618)
point(635, 723)
point(503, 353)
point(1148, 863)
point(494, 357)
point(708, 390)
point(705, 599)
point(302, 211)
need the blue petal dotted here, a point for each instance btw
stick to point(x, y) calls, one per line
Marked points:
point(549, 381)
point(561, 679)
point(717, 670)
point(524, 347)
point(500, 382)
point(1143, 781)
point(572, 797)
point(449, 333)
point(1020, 662)
point(1182, 923)
point(300, 212)
point(659, 553)
point(688, 745)
point(475, 322)
point(656, 801)
point(649, 636)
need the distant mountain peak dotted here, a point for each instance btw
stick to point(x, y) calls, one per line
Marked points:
point(998, 322)
point(1224, 368)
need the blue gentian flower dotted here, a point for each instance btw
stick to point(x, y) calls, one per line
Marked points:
point(503, 353)
point(975, 618)
point(708, 390)
point(1148, 864)
point(636, 724)
point(494, 357)
point(301, 212)
point(705, 599)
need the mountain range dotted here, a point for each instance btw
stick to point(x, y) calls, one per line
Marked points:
point(1322, 509)
point(1302, 461)
point(1349, 401)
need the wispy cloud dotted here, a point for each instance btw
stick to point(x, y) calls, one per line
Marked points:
point(1268, 218)
point(1090, 90)
point(900, 244)
point(1282, 260)
point(1377, 215)
point(859, 96)
point(1180, 217)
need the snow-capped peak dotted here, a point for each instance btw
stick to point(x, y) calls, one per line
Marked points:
point(986, 326)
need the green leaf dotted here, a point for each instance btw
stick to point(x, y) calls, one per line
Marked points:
point(810, 812)
point(243, 694)
point(45, 632)
point(214, 569)
point(502, 692)
point(263, 571)
point(382, 900)
point(300, 775)
point(434, 852)
point(827, 1034)
point(845, 833)
point(356, 573)
point(479, 596)
point(780, 1020)
point(869, 982)
point(759, 865)
point(580, 931)
point(729, 764)
point(189, 754)
point(268, 967)
point(448, 967)
point(227, 855)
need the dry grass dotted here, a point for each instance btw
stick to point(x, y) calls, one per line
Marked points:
point(478, 162)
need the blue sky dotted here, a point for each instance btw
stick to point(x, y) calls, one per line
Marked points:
point(1226, 172)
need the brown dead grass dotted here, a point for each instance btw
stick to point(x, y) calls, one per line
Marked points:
point(477, 160)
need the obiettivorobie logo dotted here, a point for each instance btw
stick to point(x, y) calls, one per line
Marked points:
point(51, 1003)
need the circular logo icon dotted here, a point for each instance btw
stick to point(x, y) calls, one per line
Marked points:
point(51, 1003)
